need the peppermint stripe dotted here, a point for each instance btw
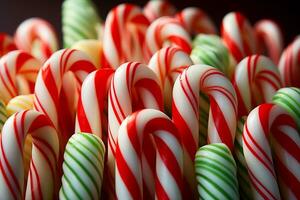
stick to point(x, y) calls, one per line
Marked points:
point(289, 98)
point(216, 172)
point(83, 167)
point(242, 172)
point(80, 21)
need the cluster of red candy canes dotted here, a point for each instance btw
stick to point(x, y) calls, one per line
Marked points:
point(125, 147)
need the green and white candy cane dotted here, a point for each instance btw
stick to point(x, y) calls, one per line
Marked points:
point(83, 167)
point(289, 98)
point(216, 173)
point(80, 20)
point(242, 171)
point(3, 114)
point(209, 49)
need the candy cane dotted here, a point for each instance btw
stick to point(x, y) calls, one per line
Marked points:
point(123, 36)
point(92, 105)
point(79, 21)
point(256, 80)
point(261, 121)
point(167, 64)
point(129, 161)
point(48, 96)
point(133, 87)
point(42, 172)
point(166, 31)
point(93, 48)
point(158, 8)
point(36, 36)
point(289, 66)
point(216, 172)
point(15, 65)
point(289, 98)
point(185, 110)
point(20, 103)
point(196, 21)
point(238, 35)
point(83, 167)
point(209, 50)
point(269, 36)
point(3, 114)
point(6, 44)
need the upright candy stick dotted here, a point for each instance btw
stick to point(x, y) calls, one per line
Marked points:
point(80, 21)
point(20, 103)
point(285, 141)
point(15, 65)
point(3, 114)
point(186, 113)
point(167, 64)
point(93, 48)
point(158, 8)
point(42, 172)
point(6, 44)
point(216, 172)
point(289, 98)
point(129, 161)
point(269, 38)
point(36, 36)
point(133, 87)
point(92, 104)
point(289, 64)
point(256, 80)
point(196, 21)
point(124, 35)
point(238, 35)
point(83, 167)
point(48, 97)
point(166, 31)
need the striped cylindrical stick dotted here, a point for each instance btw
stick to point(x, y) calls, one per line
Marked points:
point(270, 172)
point(38, 37)
point(196, 21)
point(83, 167)
point(124, 35)
point(18, 71)
point(80, 21)
point(269, 38)
point(166, 31)
point(133, 132)
point(167, 64)
point(19, 103)
point(3, 114)
point(7, 44)
point(186, 114)
point(256, 80)
point(158, 8)
point(134, 86)
point(42, 173)
point(216, 172)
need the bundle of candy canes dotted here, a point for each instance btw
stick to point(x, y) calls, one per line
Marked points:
point(151, 103)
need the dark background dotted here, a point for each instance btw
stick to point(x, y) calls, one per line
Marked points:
point(285, 12)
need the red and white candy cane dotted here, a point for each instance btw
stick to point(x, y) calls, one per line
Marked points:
point(37, 36)
point(42, 173)
point(92, 104)
point(196, 21)
point(158, 8)
point(124, 35)
point(289, 64)
point(238, 35)
point(129, 161)
point(167, 64)
point(269, 38)
point(6, 44)
point(134, 86)
point(222, 113)
point(18, 71)
point(51, 99)
point(256, 80)
point(166, 31)
point(265, 122)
